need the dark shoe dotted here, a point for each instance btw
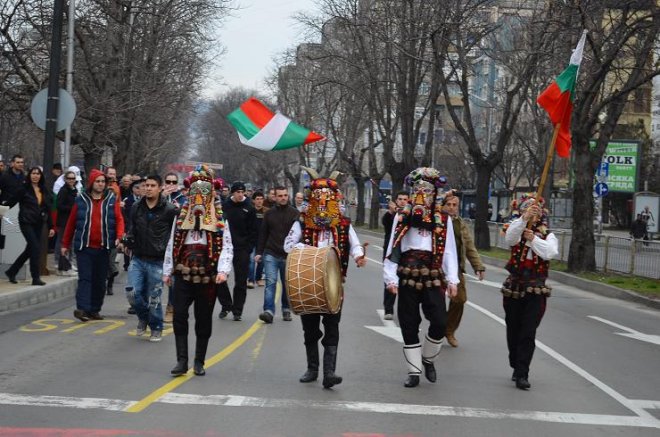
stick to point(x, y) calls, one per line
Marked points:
point(330, 380)
point(522, 383)
point(80, 315)
point(110, 283)
point(131, 310)
point(266, 317)
point(180, 369)
point(412, 381)
point(95, 316)
point(38, 282)
point(329, 365)
point(109, 292)
point(513, 376)
point(286, 316)
point(429, 371)
point(309, 376)
point(198, 368)
point(11, 277)
point(237, 318)
point(223, 314)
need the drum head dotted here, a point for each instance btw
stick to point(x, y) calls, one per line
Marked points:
point(334, 288)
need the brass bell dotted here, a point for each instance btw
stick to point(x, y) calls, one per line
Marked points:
point(205, 279)
point(428, 284)
point(406, 271)
point(435, 273)
point(185, 270)
point(194, 270)
point(196, 279)
point(437, 283)
point(202, 270)
point(411, 282)
point(414, 273)
point(424, 271)
point(178, 267)
point(419, 286)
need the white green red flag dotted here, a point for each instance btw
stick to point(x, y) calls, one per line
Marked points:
point(557, 99)
point(259, 127)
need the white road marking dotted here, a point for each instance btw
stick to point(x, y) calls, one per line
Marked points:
point(409, 409)
point(580, 371)
point(484, 282)
point(364, 407)
point(389, 328)
point(631, 333)
point(65, 402)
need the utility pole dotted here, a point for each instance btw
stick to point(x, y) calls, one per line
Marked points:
point(53, 89)
point(66, 162)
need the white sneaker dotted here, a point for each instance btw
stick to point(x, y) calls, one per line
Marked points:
point(156, 336)
point(389, 317)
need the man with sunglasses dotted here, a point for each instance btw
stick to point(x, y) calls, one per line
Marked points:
point(151, 224)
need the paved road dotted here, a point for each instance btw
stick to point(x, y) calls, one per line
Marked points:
point(594, 374)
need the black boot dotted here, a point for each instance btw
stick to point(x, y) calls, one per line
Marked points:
point(200, 356)
point(312, 372)
point(181, 355)
point(329, 363)
point(108, 290)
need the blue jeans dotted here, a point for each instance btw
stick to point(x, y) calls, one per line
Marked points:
point(252, 277)
point(144, 290)
point(273, 265)
point(92, 274)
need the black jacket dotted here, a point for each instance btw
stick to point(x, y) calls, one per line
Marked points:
point(65, 200)
point(30, 211)
point(10, 187)
point(151, 228)
point(274, 229)
point(242, 218)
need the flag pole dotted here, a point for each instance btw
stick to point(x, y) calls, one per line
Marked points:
point(548, 161)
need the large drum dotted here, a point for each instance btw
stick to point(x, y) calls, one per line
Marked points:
point(313, 280)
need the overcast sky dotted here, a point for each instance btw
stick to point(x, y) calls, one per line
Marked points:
point(253, 36)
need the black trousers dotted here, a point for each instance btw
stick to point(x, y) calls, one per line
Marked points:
point(522, 317)
point(312, 328)
point(32, 252)
point(241, 265)
point(434, 308)
point(203, 297)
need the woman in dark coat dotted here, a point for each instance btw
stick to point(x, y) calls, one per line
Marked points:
point(35, 201)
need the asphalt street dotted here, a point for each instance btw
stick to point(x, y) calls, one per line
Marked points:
point(595, 373)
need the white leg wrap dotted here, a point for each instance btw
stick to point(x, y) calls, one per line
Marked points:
point(431, 349)
point(413, 355)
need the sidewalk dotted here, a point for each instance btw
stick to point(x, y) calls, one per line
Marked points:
point(17, 296)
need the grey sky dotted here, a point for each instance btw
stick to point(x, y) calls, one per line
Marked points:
point(252, 36)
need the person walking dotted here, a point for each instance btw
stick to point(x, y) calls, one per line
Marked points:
point(256, 269)
point(324, 225)
point(113, 271)
point(35, 202)
point(199, 255)
point(66, 197)
point(465, 249)
point(242, 218)
point(271, 254)
point(421, 256)
point(525, 291)
point(387, 221)
point(11, 181)
point(94, 227)
point(152, 218)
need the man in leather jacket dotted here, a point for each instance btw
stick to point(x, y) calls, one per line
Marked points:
point(151, 222)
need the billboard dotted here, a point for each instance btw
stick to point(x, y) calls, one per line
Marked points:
point(622, 158)
point(647, 205)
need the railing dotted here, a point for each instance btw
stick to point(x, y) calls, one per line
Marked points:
point(613, 253)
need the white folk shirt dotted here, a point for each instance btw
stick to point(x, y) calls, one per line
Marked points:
point(325, 238)
point(547, 249)
point(421, 239)
point(193, 237)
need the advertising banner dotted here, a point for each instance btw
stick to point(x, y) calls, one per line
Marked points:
point(622, 159)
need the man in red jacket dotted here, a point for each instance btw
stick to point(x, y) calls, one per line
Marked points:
point(95, 226)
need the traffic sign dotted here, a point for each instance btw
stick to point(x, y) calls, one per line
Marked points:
point(603, 169)
point(66, 109)
point(601, 189)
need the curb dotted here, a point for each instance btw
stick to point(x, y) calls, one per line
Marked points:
point(587, 285)
point(34, 295)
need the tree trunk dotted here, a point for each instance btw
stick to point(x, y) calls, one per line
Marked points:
point(481, 231)
point(374, 216)
point(92, 160)
point(582, 255)
point(359, 217)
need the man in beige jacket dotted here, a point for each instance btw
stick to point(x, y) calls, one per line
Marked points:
point(465, 249)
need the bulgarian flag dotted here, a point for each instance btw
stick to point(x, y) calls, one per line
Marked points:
point(258, 127)
point(557, 99)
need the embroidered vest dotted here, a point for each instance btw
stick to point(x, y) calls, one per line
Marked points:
point(438, 240)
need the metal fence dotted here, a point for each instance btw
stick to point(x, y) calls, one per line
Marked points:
point(613, 253)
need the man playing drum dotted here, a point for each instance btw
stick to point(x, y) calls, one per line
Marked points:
point(420, 264)
point(324, 225)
